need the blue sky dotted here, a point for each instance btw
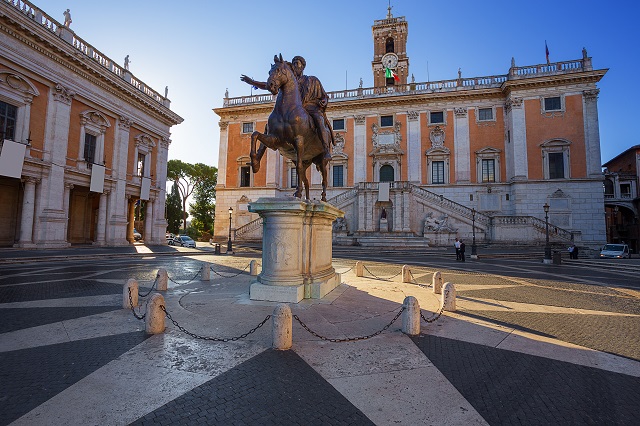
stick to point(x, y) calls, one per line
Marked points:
point(199, 48)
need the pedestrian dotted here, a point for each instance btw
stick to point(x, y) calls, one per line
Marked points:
point(462, 247)
point(571, 249)
point(575, 252)
point(457, 246)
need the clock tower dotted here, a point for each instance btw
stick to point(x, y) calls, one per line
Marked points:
point(390, 51)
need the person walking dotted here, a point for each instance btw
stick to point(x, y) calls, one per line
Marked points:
point(462, 247)
point(457, 246)
point(571, 249)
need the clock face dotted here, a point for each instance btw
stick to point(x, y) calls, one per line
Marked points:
point(390, 60)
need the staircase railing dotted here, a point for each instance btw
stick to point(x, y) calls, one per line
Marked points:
point(343, 196)
point(535, 223)
point(248, 228)
point(448, 204)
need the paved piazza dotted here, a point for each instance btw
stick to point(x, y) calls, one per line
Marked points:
point(528, 344)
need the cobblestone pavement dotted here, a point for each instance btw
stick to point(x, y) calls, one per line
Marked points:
point(69, 354)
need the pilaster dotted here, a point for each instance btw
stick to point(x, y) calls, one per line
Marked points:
point(413, 149)
point(592, 133)
point(359, 150)
point(517, 128)
point(462, 145)
point(28, 213)
point(222, 154)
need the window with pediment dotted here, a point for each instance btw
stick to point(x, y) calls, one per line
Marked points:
point(438, 158)
point(16, 95)
point(555, 159)
point(93, 126)
point(488, 165)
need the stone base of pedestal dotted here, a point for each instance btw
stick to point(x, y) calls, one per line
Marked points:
point(296, 250)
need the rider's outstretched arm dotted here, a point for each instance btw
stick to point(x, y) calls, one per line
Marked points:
point(259, 84)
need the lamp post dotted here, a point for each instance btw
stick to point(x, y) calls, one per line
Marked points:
point(229, 243)
point(615, 225)
point(547, 247)
point(474, 249)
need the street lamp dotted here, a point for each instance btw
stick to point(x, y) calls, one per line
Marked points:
point(229, 243)
point(547, 247)
point(474, 249)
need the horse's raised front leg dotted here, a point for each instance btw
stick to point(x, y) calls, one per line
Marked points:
point(266, 141)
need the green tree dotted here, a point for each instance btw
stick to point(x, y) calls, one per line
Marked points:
point(174, 210)
point(204, 195)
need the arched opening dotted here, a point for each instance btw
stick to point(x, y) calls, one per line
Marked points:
point(386, 173)
point(389, 45)
point(608, 187)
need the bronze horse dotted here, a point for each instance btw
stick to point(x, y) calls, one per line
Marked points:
point(290, 129)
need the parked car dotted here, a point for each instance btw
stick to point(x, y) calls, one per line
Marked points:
point(136, 235)
point(615, 251)
point(183, 241)
point(170, 238)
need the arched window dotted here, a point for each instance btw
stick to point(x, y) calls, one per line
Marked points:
point(608, 187)
point(389, 45)
point(386, 173)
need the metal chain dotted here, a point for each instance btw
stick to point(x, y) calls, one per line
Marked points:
point(437, 314)
point(194, 277)
point(230, 276)
point(151, 289)
point(380, 278)
point(344, 272)
point(349, 339)
point(215, 339)
point(132, 308)
point(416, 281)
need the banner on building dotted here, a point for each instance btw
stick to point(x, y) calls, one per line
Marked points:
point(145, 188)
point(97, 178)
point(383, 191)
point(12, 158)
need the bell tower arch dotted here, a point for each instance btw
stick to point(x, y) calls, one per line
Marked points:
point(390, 63)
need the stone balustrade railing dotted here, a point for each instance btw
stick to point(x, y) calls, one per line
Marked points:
point(555, 232)
point(342, 197)
point(450, 205)
point(248, 228)
point(41, 18)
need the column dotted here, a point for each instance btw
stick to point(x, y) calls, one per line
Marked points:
point(50, 218)
point(28, 210)
point(222, 154)
point(272, 169)
point(406, 212)
point(361, 210)
point(102, 220)
point(397, 211)
point(131, 207)
point(462, 150)
point(516, 125)
point(160, 197)
point(414, 148)
point(359, 150)
point(592, 133)
point(148, 222)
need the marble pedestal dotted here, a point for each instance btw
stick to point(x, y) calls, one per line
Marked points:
point(296, 250)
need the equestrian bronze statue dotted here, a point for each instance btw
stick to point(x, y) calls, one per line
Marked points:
point(297, 126)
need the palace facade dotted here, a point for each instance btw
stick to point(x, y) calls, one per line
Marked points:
point(84, 142)
point(422, 163)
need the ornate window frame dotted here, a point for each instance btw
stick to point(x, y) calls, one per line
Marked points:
point(339, 158)
point(94, 123)
point(144, 146)
point(18, 91)
point(244, 161)
point(488, 153)
point(386, 149)
point(438, 152)
point(555, 146)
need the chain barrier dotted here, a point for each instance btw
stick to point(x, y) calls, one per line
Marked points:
point(133, 309)
point(348, 339)
point(151, 289)
point(215, 339)
point(414, 281)
point(438, 314)
point(229, 276)
point(194, 277)
point(344, 272)
point(380, 278)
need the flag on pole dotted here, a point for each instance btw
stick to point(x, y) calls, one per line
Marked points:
point(546, 50)
point(389, 73)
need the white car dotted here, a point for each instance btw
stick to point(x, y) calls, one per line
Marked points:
point(136, 235)
point(615, 251)
point(183, 241)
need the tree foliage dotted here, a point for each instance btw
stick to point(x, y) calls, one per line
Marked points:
point(174, 210)
point(197, 179)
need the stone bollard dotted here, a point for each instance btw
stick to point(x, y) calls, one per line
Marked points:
point(253, 268)
point(206, 272)
point(436, 281)
point(282, 321)
point(411, 316)
point(132, 285)
point(449, 297)
point(406, 274)
point(359, 269)
point(154, 319)
point(163, 279)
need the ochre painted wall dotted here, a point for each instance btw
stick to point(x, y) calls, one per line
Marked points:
point(486, 134)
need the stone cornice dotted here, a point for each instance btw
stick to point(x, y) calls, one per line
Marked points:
point(586, 77)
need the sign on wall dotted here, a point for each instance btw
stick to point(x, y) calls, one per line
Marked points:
point(97, 178)
point(383, 191)
point(12, 158)
point(145, 188)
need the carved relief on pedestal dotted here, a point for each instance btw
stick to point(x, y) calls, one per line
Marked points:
point(280, 252)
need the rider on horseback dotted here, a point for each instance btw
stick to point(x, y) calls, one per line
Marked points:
point(314, 101)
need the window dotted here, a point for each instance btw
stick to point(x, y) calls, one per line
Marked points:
point(294, 177)
point(90, 148)
point(485, 114)
point(608, 188)
point(386, 121)
point(625, 190)
point(8, 115)
point(556, 165)
point(436, 117)
point(437, 172)
point(245, 176)
point(389, 45)
point(489, 170)
point(386, 173)
point(140, 164)
point(247, 127)
point(553, 104)
point(338, 124)
point(338, 175)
